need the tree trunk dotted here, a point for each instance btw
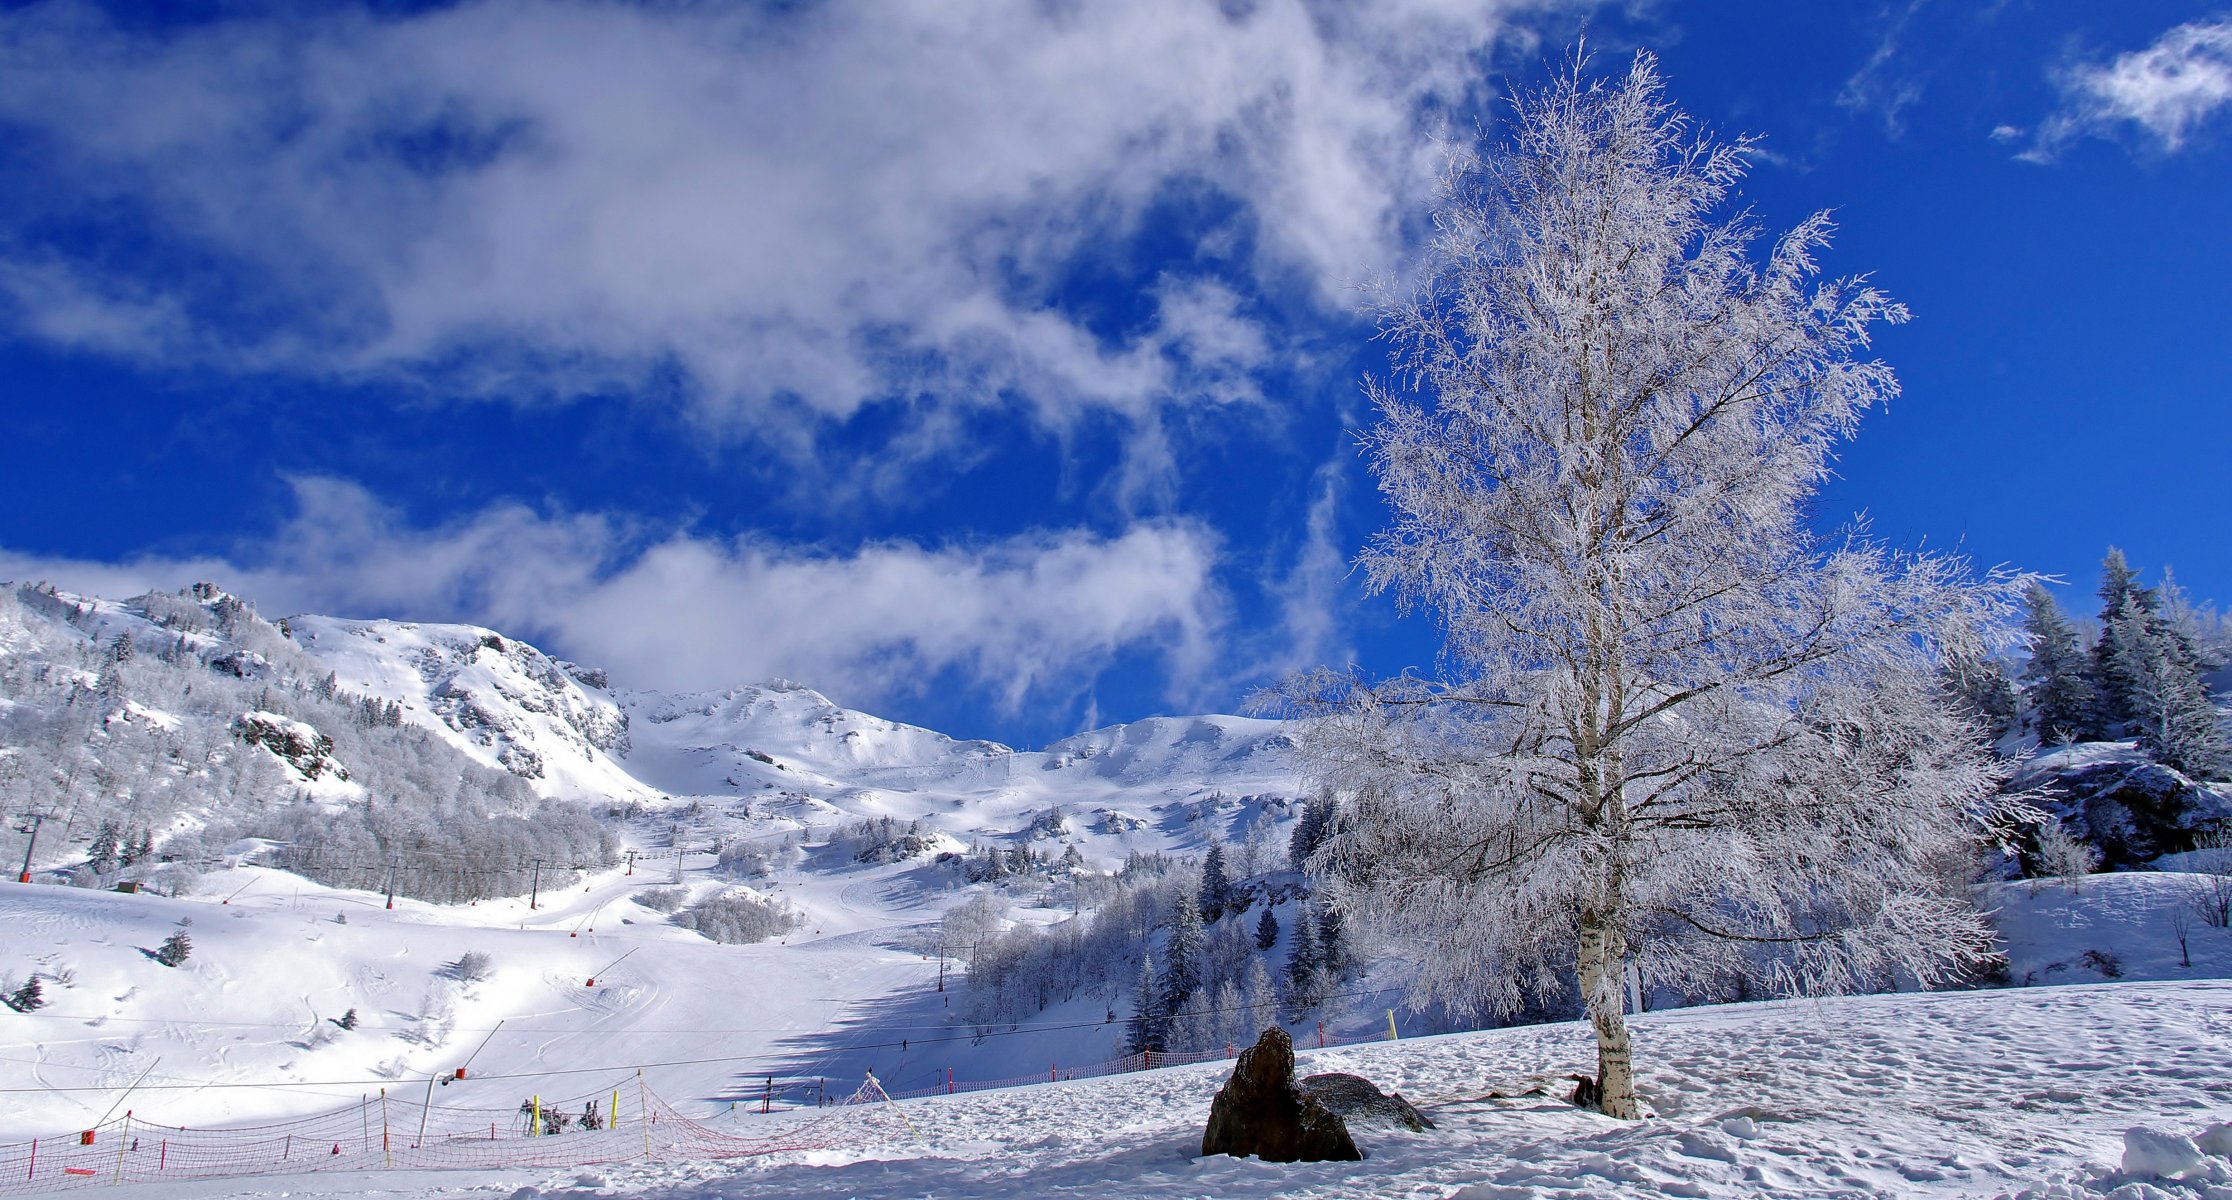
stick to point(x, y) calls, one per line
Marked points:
point(1603, 953)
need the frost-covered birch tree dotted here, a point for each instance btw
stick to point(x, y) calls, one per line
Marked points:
point(1676, 731)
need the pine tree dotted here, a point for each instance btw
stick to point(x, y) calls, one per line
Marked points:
point(2120, 655)
point(1267, 929)
point(2056, 680)
point(348, 1020)
point(175, 949)
point(1148, 1014)
point(28, 997)
point(1231, 1017)
point(1305, 962)
point(1182, 953)
point(1333, 955)
point(1262, 1000)
point(102, 853)
point(1216, 889)
point(2176, 720)
point(1311, 829)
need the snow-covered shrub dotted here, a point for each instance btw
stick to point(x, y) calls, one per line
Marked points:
point(662, 899)
point(176, 949)
point(2209, 879)
point(739, 919)
point(2064, 857)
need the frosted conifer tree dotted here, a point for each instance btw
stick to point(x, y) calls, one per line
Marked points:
point(1182, 954)
point(1216, 888)
point(1670, 712)
point(2055, 679)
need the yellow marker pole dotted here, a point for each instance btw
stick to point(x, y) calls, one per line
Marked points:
point(1391, 1035)
point(874, 1083)
point(534, 1117)
point(123, 1139)
point(612, 1115)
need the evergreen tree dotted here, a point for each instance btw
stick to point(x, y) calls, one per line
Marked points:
point(1333, 955)
point(1216, 889)
point(1305, 962)
point(2175, 718)
point(1148, 1014)
point(175, 949)
point(102, 853)
point(2120, 656)
point(1182, 954)
point(1262, 1000)
point(2056, 680)
point(1232, 1017)
point(1310, 830)
point(28, 997)
point(1267, 929)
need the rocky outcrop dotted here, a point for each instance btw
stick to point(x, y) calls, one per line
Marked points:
point(296, 743)
point(1358, 1101)
point(1260, 1112)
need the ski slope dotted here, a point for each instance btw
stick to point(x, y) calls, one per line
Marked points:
point(2025, 1093)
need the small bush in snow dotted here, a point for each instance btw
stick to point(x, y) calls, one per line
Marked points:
point(347, 1020)
point(28, 997)
point(663, 900)
point(2063, 856)
point(471, 967)
point(175, 949)
point(739, 919)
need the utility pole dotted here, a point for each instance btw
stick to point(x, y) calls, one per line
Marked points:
point(631, 862)
point(394, 864)
point(35, 819)
point(534, 890)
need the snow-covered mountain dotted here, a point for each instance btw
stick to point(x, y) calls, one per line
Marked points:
point(499, 699)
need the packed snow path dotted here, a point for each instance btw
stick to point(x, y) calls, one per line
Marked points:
point(2016, 1092)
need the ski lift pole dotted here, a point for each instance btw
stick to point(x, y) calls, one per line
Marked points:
point(607, 968)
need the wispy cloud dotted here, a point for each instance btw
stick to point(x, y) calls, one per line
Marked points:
point(1883, 85)
point(2166, 92)
point(795, 212)
point(1022, 618)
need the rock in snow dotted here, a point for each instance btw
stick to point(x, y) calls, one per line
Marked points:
point(1260, 1112)
point(2154, 1154)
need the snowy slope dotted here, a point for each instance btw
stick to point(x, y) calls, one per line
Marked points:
point(2027, 1092)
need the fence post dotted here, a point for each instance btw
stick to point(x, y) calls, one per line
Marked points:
point(1321, 1035)
point(643, 1099)
point(949, 1081)
point(386, 1151)
point(123, 1139)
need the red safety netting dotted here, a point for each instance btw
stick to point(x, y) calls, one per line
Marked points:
point(394, 1132)
point(390, 1132)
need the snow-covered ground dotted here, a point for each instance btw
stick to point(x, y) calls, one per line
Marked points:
point(2017, 1092)
point(1968, 1093)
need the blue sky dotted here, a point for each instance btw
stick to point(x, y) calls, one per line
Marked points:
point(989, 365)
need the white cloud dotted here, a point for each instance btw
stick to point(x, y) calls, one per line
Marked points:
point(1026, 617)
point(801, 211)
point(2168, 90)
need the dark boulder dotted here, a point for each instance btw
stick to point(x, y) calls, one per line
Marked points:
point(1358, 1101)
point(1260, 1112)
